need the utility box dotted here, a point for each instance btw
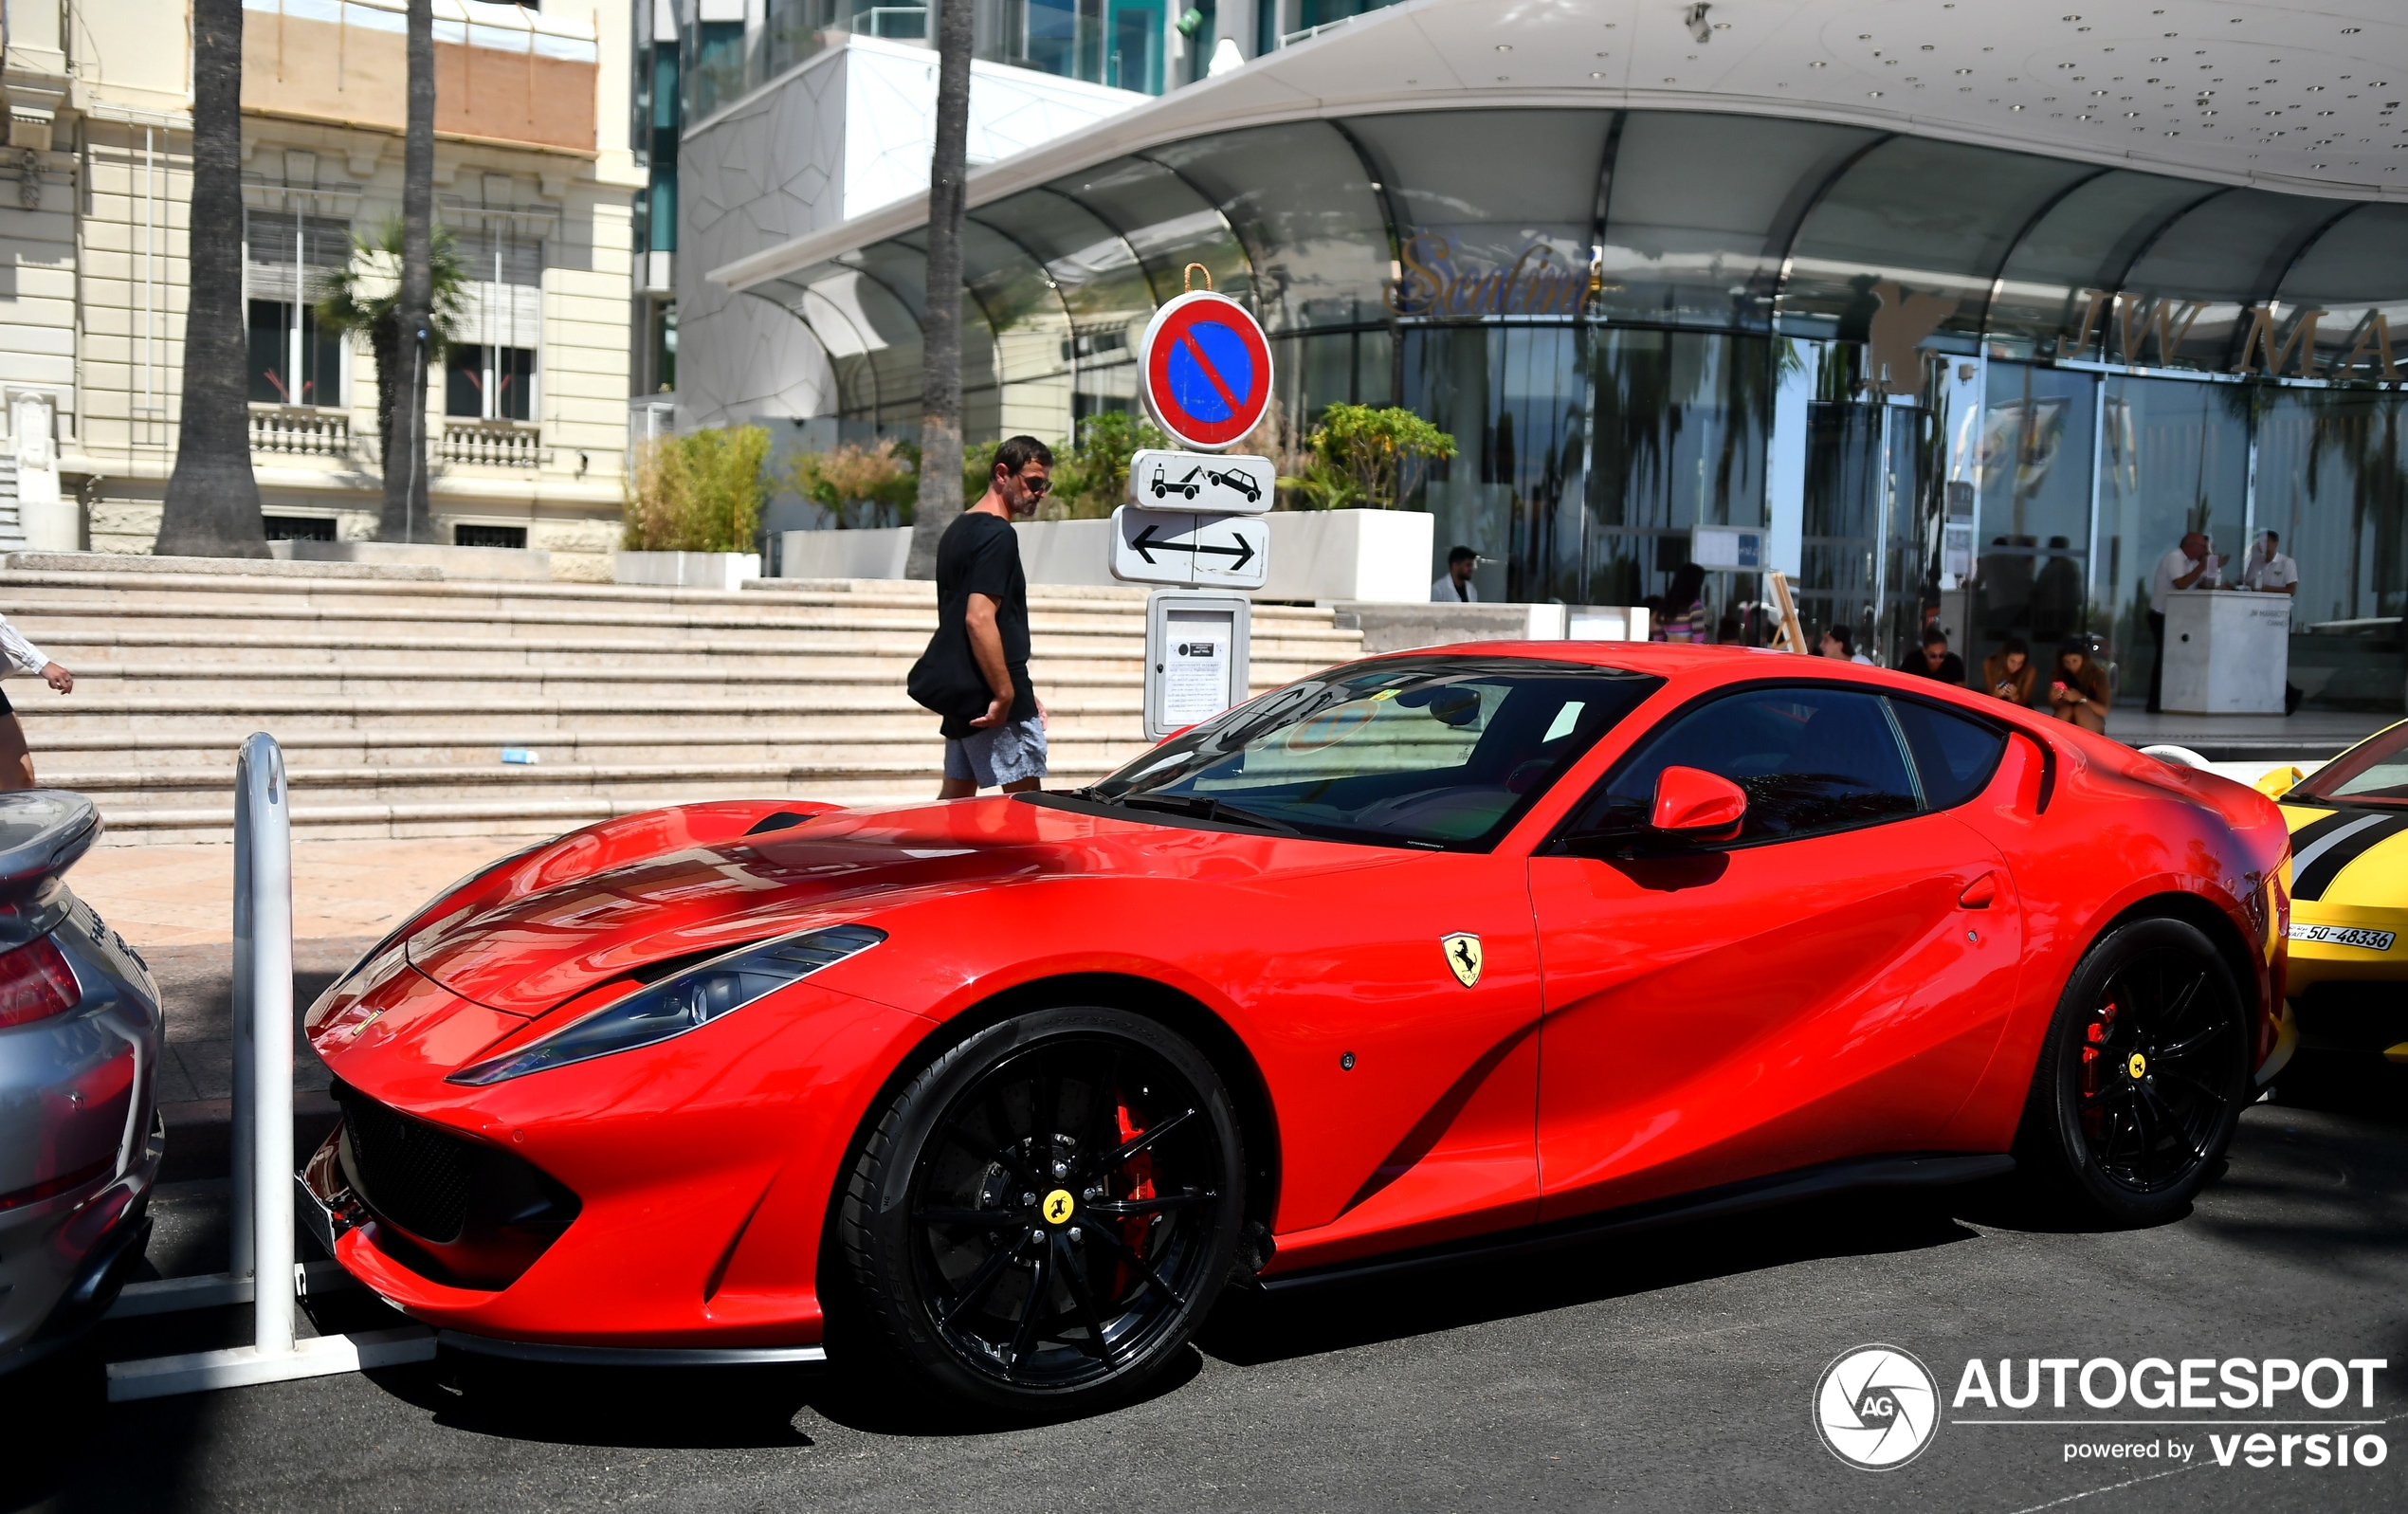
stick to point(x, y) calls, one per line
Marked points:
point(2227, 651)
point(1196, 658)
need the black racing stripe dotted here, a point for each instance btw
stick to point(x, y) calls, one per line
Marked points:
point(2320, 875)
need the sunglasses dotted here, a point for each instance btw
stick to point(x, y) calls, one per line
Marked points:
point(1037, 487)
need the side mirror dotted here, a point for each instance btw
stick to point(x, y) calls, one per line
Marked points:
point(1697, 804)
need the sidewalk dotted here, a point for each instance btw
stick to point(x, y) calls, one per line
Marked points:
point(2314, 735)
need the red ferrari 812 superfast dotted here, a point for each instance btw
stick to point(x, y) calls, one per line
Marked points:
point(1452, 950)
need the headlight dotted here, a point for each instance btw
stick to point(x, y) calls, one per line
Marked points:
point(674, 1006)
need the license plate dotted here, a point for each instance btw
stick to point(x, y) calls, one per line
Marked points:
point(2372, 940)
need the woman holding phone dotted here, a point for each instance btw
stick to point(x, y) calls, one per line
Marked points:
point(2078, 688)
point(2010, 675)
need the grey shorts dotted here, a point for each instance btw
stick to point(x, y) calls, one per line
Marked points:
point(1003, 753)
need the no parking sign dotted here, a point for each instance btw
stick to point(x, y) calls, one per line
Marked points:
point(1207, 370)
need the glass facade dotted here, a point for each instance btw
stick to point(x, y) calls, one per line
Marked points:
point(1124, 44)
point(1951, 381)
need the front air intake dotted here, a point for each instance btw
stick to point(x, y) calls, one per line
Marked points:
point(446, 1205)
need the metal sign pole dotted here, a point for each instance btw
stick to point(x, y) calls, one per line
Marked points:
point(263, 1119)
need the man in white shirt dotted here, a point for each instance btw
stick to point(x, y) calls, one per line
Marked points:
point(1456, 588)
point(2268, 571)
point(2191, 565)
point(18, 655)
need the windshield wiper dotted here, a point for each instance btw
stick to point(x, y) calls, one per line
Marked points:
point(1204, 807)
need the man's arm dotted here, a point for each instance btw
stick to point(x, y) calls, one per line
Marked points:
point(2193, 576)
point(986, 646)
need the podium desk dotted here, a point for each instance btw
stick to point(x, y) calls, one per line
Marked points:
point(2227, 651)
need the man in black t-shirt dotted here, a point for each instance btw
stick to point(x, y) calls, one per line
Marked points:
point(983, 631)
point(1936, 661)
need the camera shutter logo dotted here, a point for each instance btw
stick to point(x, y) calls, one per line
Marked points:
point(1876, 1407)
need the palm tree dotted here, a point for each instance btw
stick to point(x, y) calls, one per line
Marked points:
point(414, 336)
point(212, 498)
point(364, 301)
point(940, 312)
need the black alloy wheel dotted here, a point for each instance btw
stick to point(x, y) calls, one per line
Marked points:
point(1045, 1214)
point(2143, 1075)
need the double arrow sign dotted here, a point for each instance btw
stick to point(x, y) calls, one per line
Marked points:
point(1149, 541)
point(1196, 524)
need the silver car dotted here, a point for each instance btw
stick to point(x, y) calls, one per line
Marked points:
point(81, 1035)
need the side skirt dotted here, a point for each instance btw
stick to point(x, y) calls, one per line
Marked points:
point(1937, 1170)
point(487, 1345)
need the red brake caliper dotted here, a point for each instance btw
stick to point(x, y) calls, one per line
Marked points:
point(1140, 1168)
point(2097, 1035)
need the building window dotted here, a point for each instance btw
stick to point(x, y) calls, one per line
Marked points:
point(288, 261)
point(468, 536)
point(293, 362)
point(298, 527)
point(664, 347)
point(489, 383)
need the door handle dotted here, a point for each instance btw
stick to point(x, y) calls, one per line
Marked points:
point(1979, 892)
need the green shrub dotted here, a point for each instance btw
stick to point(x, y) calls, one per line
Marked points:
point(1367, 457)
point(1092, 475)
point(700, 492)
point(853, 483)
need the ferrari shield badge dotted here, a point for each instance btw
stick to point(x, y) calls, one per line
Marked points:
point(1463, 957)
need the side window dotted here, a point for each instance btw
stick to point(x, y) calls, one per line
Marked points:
point(1954, 756)
point(1811, 759)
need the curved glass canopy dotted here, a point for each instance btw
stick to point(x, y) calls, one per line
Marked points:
point(1390, 222)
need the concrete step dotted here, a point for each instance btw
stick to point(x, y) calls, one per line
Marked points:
point(394, 697)
point(428, 783)
point(61, 756)
point(96, 652)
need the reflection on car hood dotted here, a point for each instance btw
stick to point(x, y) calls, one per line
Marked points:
point(526, 954)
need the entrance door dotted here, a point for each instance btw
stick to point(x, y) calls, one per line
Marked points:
point(1869, 556)
point(1829, 985)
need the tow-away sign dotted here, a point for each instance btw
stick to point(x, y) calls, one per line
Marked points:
point(1190, 550)
point(1203, 481)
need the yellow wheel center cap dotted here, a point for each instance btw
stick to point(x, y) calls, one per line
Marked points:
point(2139, 1067)
point(1059, 1204)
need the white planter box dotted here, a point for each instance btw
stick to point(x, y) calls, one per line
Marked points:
point(687, 570)
point(1380, 556)
point(878, 553)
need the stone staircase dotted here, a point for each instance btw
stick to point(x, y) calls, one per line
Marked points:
point(395, 698)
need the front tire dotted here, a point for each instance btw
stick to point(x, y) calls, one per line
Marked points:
point(2143, 1076)
point(1041, 1219)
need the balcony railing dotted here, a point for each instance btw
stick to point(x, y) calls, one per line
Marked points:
point(297, 430)
point(493, 443)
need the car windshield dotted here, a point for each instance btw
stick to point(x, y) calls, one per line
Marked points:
point(2373, 773)
point(1423, 751)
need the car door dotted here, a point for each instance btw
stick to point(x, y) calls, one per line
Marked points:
point(1828, 984)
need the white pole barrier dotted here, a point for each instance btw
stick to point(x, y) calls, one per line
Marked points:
point(244, 1124)
point(262, 1128)
point(264, 829)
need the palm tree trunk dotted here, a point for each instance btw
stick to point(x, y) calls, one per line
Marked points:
point(405, 513)
point(212, 498)
point(940, 312)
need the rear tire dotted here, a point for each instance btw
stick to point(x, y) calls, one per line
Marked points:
point(1040, 1220)
point(2142, 1079)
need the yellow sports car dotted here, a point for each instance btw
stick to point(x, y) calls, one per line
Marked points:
point(2348, 979)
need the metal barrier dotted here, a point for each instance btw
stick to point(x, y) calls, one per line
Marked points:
point(262, 1144)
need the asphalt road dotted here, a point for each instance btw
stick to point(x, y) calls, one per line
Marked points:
point(1673, 1372)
